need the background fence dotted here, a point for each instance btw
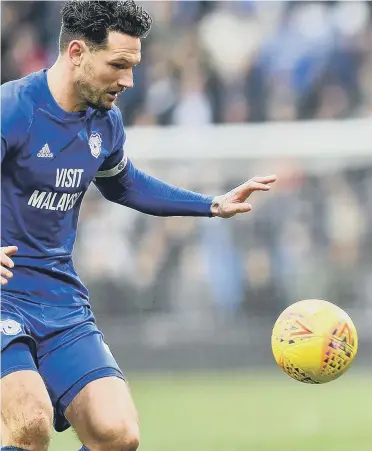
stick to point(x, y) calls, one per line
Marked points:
point(172, 283)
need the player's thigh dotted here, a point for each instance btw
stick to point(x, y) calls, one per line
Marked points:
point(26, 409)
point(104, 410)
point(73, 359)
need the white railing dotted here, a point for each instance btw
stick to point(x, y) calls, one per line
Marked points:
point(350, 139)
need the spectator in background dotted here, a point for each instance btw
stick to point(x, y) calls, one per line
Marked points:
point(273, 61)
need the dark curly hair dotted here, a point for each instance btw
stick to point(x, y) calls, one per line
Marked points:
point(92, 20)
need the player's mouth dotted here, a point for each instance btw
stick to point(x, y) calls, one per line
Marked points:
point(113, 95)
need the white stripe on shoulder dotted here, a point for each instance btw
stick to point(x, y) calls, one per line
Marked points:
point(115, 170)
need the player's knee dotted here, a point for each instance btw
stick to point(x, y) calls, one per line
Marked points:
point(117, 435)
point(34, 430)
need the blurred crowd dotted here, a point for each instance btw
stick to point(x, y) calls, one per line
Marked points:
point(218, 61)
point(311, 237)
point(228, 62)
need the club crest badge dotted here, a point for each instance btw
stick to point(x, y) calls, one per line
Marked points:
point(10, 327)
point(95, 144)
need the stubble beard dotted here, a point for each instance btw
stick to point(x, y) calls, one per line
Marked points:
point(91, 96)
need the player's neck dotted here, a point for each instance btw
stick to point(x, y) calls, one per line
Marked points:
point(62, 88)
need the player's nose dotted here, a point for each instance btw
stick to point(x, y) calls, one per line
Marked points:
point(126, 80)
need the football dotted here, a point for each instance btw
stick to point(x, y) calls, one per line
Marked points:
point(314, 341)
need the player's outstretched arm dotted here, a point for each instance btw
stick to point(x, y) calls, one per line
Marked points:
point(140, 191)
point(6, 262)
point(235, 201)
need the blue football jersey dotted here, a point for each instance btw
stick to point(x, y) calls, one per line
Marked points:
point(49, 158)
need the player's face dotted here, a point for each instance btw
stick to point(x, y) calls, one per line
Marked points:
point(105, 74)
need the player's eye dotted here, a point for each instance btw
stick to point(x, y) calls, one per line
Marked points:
point(118, 66)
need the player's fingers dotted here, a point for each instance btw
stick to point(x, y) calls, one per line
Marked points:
point(232, 209)
point(9, 250)
point(243, 208)
point(3, 281)
point(266, 179)
point(5, 272)
point(6, 261)
point(249, 187)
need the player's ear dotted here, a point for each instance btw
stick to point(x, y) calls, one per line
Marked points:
point(76, 50)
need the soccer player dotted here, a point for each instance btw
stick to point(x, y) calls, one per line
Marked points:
point(61, 131)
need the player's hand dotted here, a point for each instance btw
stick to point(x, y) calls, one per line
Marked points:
point(234, 201)
point(6, 262)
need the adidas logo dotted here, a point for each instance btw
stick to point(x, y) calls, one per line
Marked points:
point(45, 152)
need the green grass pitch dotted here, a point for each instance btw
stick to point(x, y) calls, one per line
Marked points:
point(253, 411)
